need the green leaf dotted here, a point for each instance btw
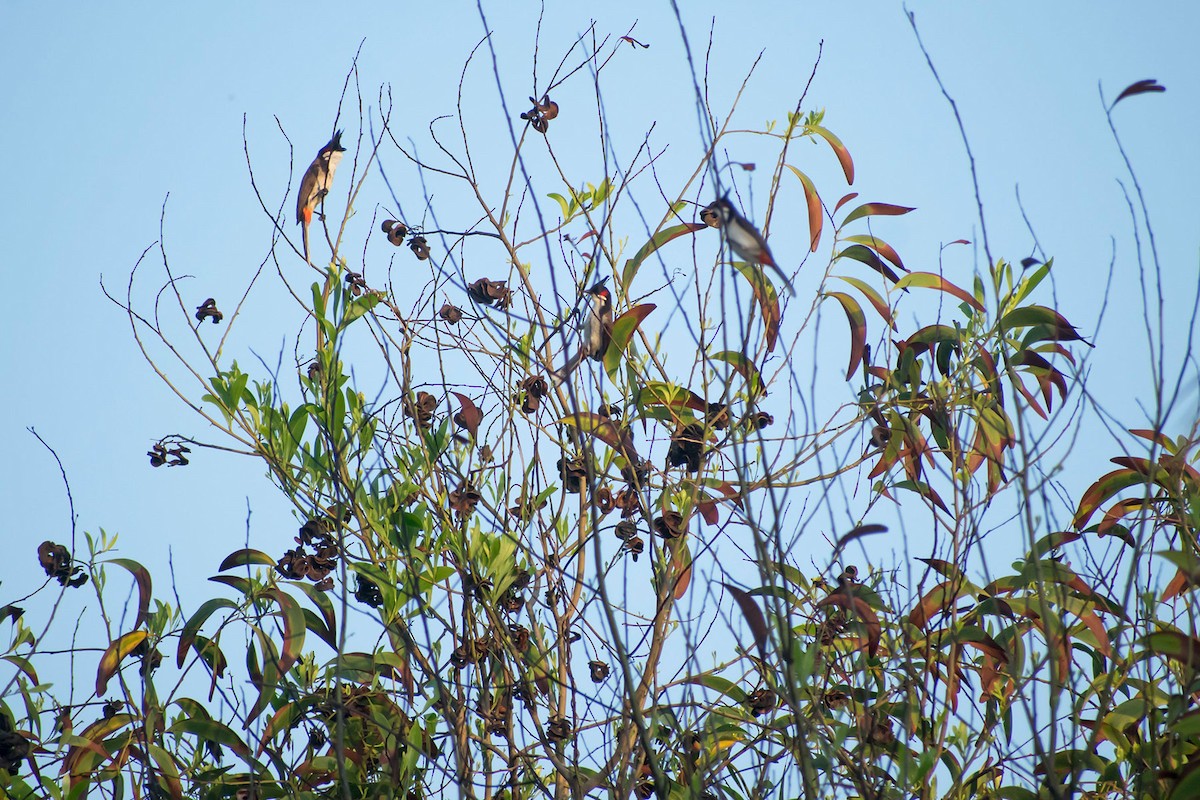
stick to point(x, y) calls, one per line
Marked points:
point(866, 255)
point(358, 307)
point(656, 241)
point(928, 280)
point(562, 204)
point(244, 558)
point(718, 684)
point(873, 297)
point(293, 628)
point(880, 246)
point(188, 636)
point(210, 730)
point(744, 366)
point(622, 332)
point(114, 654)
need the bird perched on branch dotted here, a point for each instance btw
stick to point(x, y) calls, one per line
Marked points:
point(315, 185)
point(594, 329)
point(745, 240)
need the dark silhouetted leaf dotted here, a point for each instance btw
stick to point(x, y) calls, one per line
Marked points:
point(867, 256)
point(754, 618)
point(1140, 87)
point(857, 533)
point(244, 558)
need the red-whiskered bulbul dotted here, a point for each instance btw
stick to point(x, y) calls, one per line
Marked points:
point(315, 184)
point(595, 330)
point(745, 240)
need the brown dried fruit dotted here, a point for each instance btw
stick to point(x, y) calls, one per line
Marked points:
point(687, 447)
point(598, 670)
point(56, 561)
point(520, 637)
point(670, 525)
point(421, 410)
point(634, 547)
point(558, 729)
point(603, 500)
point(490, 293)
point(760, 419)
point(208, 310)
point(367, 592)
point(525, 508)
point(762, 702)
point(451, 313)
point(573, 474)
point(419, 246)
point(464, 499)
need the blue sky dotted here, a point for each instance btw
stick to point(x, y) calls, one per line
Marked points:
point(110, 109)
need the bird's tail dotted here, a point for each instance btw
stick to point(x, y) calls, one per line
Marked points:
point(564, 372)
point(305, 221)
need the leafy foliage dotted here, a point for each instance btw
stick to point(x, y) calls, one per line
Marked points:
point(504, 588)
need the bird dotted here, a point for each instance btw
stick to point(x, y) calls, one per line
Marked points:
point(745, 240)
point(595, 331)
point(315, 184)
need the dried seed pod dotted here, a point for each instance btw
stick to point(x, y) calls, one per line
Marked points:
point(598, 670)
point(634, 547)
point(573, 473)
point(421, 410)
point(464, 499)
point(687, 447)
point(558, 729)
point(671, 525)
point(760, 419)
point(451, 313)
point(762, 702)
point(490, 293)
point(419, 246)
point(208, 310)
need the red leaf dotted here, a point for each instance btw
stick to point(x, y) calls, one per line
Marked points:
point(858, 329)
point(839, 149)
point(816, 216)
point(468, 416)
point(754, 618)
point(767, 297)
point(876, 209)
point(844, 200)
